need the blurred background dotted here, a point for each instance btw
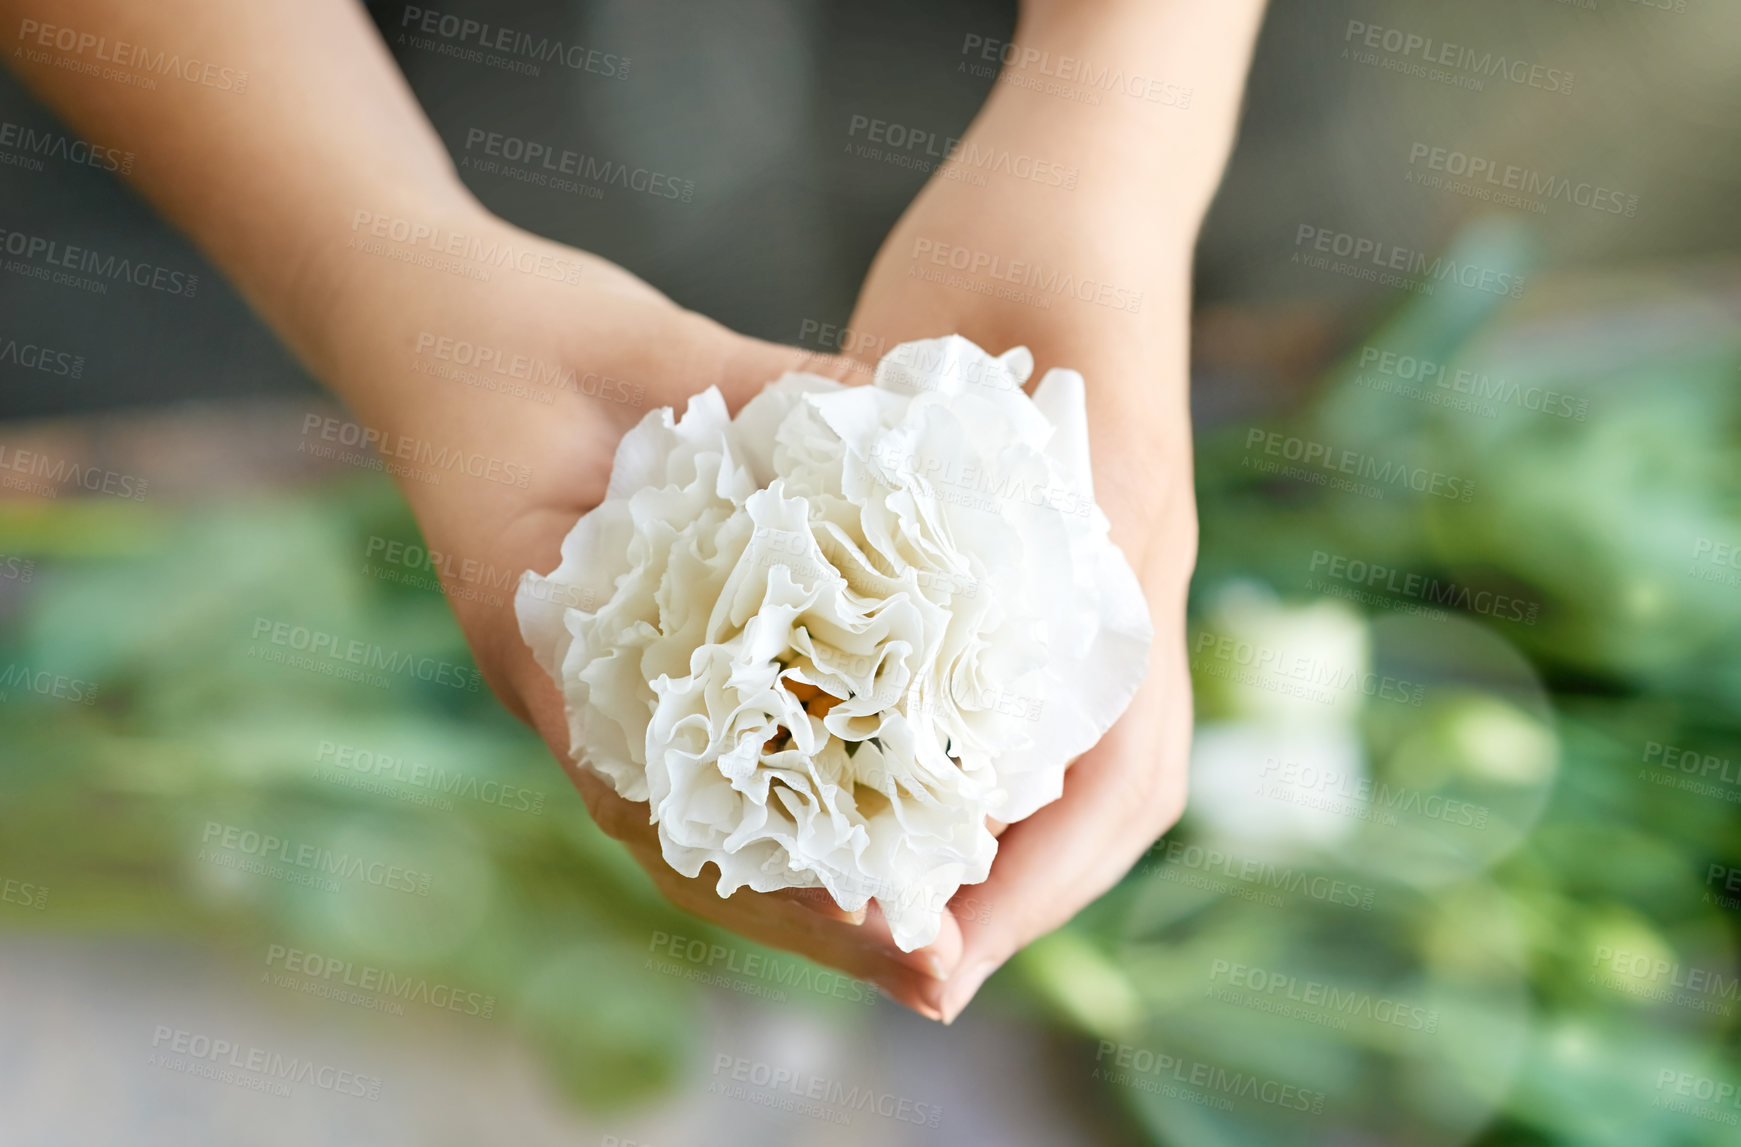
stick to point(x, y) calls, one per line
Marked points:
point(1462, 862)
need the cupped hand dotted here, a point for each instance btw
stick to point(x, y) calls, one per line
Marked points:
point(1093, 276)
point(1120, 796)
point(622, 348)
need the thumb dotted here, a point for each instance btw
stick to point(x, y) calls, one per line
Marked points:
point(749, 364)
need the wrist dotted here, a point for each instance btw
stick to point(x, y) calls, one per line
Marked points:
point(368, 262)
point(1158, 84)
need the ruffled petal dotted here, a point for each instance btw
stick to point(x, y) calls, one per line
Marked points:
point(826, 639)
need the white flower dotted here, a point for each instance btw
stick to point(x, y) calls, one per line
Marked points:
point(836, 633)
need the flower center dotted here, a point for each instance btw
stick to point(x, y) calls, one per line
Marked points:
point(817, 702)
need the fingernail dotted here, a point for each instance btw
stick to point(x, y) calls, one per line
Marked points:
point(929, 1004)
point(931, 995)
point(920, 959)
point(824, 905)
point(960, 990)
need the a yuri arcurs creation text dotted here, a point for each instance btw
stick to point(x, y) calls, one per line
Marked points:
point(838, 632)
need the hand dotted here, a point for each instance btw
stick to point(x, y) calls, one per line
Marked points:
point(983, 253)
point(1125, 792)
point(624, 338)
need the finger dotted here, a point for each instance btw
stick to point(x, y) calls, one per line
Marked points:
point(627, 821)
point(821, 900)
point(867, 928)
point(940, 957)
point(778, 922)
point(1117, 799)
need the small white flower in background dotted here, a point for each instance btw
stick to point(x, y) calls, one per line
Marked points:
point(1272, 790)
point(1267, 661)
point(1273, 766)
point(839, 631)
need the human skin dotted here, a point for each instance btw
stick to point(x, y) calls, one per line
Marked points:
point(280, 186)
point(1146, 170)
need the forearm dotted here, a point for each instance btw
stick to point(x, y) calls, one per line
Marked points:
point(1170, 75)
point(1130, 110)
point(266, 179)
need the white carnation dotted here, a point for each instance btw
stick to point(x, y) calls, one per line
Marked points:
point(825, 640)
